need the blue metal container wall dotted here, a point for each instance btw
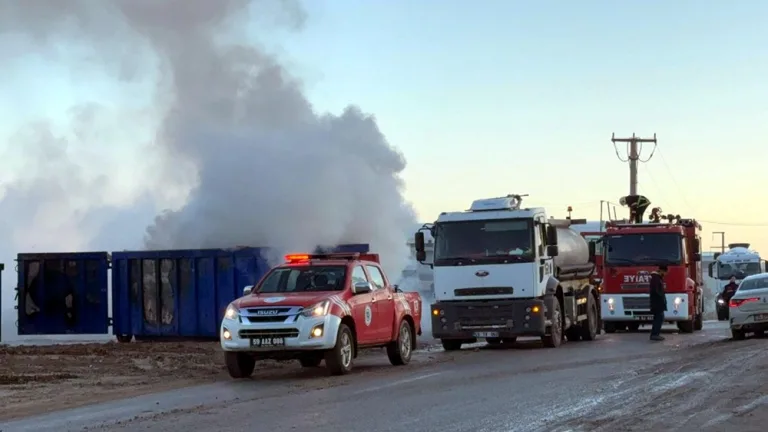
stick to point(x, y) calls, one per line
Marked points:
point(180, 293)
point(69, 297)
point(183, 293)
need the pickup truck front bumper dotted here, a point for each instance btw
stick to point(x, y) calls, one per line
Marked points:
point(501, 318)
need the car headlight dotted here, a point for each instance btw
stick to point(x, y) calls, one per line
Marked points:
point(317, 310)
point(720, 301)
point(231, 312)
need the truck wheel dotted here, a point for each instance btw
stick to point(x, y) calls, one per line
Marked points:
point(310, 360)
point(685, 326)
point(738, 334)
point(589, 328)
point(698, 322)
point(239, 365)
point(555, 337)
point(400, 350)
point(451, 344)
point(338, 359)
point(609, 327)
point(573, 334)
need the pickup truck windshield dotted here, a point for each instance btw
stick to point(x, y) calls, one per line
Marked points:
point(483, 240)
point(304, 279)
point(642, 249)
point(739, 270)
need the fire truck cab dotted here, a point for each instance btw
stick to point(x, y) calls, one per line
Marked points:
point(631, 251)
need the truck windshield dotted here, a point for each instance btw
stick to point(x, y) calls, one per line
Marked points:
point(740, 270)
point(642, 249)
point(484, 240)
point(303, 279)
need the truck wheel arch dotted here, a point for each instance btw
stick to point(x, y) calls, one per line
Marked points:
point(409, 319)
point(351, 324)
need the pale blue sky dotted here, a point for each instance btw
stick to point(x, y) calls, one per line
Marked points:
point(522, 97)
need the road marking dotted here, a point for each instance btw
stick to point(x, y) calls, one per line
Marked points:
point(396, 383)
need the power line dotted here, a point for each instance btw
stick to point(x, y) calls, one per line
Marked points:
point(674, 180)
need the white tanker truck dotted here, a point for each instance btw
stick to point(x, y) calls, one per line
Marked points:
point(503, 272)
point(739, 261)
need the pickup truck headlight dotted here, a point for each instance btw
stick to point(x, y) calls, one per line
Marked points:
point(231, 313)
point(317, 310)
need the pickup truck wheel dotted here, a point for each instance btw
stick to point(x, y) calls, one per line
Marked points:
point(451, 344)
point(338, 359)
point(400, 350)
point(555, 337)
point(310, 361)
point(589, 328)
point(239, 365)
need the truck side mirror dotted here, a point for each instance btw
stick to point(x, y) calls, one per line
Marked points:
point(697, 246)
point(711, 269)
point(418, 239)
point(696, 257)
point(552, 250)
point(551, 235)
point(592, 247)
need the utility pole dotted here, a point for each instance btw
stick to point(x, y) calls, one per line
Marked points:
point(722, 240)
point(633, 156)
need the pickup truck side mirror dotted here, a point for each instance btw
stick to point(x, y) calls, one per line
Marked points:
point(247, 290)
point(396, 288)
point(361, 288)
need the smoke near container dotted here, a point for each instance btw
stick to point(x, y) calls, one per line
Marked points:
point(234, 135)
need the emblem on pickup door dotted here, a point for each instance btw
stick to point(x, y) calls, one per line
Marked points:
point(481, 273)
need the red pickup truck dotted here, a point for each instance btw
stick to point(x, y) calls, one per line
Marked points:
point(320, 307)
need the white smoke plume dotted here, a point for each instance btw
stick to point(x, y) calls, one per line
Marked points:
point(238, 155)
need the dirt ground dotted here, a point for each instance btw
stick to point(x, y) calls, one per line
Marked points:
point(39, 379)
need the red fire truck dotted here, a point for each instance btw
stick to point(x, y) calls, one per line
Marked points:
point(631, 251)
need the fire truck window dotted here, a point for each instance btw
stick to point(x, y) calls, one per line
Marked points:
point(376, 277)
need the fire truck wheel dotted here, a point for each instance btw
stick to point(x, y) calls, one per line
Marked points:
point(609, 327)
point(555, 337)
point(685, 326)
point(310, 360)
point(338, 359)
point(399, 351)
point(239, 365)
point(633, 327)
point(589, 328)
point(698, 322)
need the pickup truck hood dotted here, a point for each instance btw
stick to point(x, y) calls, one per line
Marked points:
point(302, 299)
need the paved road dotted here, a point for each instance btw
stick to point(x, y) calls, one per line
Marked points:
point(524, 388)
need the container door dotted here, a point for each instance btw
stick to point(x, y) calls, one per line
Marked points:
point(63, 293)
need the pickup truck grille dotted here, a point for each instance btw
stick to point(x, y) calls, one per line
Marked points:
point(269, 333)
point(635, 303)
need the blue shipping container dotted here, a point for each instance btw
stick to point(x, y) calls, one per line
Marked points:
point(183, 293)
point(63, 293)
point(169, 294)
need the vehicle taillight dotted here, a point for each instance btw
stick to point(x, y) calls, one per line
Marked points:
point(739, 302)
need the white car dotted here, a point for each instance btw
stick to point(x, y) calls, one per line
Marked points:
point(748, 308)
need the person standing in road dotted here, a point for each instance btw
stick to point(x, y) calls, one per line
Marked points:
point(730, 289)
point(658, 301)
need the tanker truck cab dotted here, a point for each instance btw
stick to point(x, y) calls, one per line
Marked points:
point(502, 271)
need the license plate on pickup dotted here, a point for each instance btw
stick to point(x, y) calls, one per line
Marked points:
point(761, 317)
point(267, 342)
point(644, 317)
point(486, 334)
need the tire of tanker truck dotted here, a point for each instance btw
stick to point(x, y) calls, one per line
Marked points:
point(555, 337)
point(590, 327)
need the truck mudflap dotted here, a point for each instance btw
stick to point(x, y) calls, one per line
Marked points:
point(490, 318)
